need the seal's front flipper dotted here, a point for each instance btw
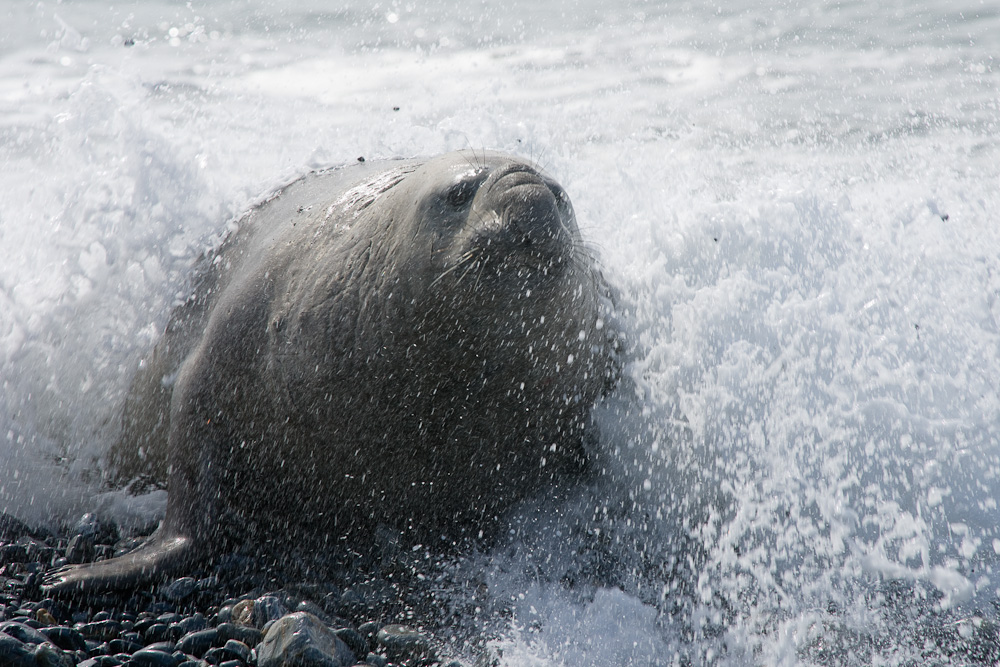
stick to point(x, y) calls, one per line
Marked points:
point(151, 562)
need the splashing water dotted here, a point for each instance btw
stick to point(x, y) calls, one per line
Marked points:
point(797, 204)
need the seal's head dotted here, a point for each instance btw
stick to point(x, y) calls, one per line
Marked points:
point(494, 270)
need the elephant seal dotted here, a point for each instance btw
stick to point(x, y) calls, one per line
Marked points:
point(412, 344)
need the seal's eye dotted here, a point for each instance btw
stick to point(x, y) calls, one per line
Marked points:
point(461, 193)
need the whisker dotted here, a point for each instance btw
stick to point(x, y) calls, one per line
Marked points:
point(471, 267)
point(462, 260)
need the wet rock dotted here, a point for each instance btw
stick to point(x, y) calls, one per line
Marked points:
point(213, 656)
point(303, 640)
point(197, 643)
point(369, 631)
point(155, 633)
point(105, 630)
point(100, 661)
point(88, 525)
point(257, 613)
point(116, 646)
point(190, 624)
point(169, 617)
point(401, 643)
point(359, 645)
point(13, 553)
point(80, 549)
point(65, 638)
point(148, 657)
point(249, 636)
point(166, 647)
point(237, 650)
point(49, 656)
point(376, 660)
point(179, 589)
point(22, 632)
point(15, 654)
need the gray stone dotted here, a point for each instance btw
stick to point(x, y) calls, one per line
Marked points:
point(190, 624)
point(103, 630)
point(88, 525)
point(180, 588)
point(165, 646)
point(152, 658)
point(100, 661)
point(249, 636)
point(237, 649)
point(15, 654)
point(257, 613)
point(80, 549)
point(401, 643)
point(22, 632)
point(47, 655)
point(354, 641)
point(302, 640)
point(116, 646)
point(155, 633)
point(196, 643)
point(267, 608)
point(65, 638)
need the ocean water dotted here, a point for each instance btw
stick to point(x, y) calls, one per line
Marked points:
point(798, 203)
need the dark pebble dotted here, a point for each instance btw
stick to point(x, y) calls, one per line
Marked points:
point(22, 632)
point(354, 640)
point(13, 553)
point(100, 661)
point(47, 655)
point(196, 643)
point(402, 643)
point(155, 633)
point(116, 646)
point(190, 624)
point(170, 617)
point(249, 636)
point(237, 650)
point(161, 607)
point(65, 638)
point(215, 655)
point(153, 658)
point(15, 654)
point(165, 646)
point(80, 549)
point(180, 589)
point(103, 630)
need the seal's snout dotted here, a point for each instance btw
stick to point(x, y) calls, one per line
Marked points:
point(531, 220)
point(532, 216)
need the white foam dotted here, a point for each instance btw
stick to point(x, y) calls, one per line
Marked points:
point(797, 208)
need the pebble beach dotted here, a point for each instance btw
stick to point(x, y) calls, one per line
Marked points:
point(228, 614)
